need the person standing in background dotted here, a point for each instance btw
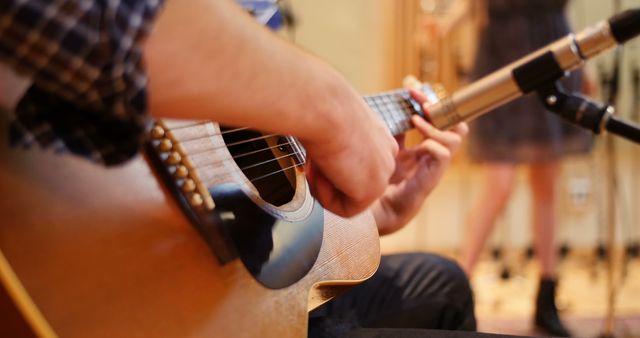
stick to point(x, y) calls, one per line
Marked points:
point(522, 133)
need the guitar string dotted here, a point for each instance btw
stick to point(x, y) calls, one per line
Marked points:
point(275, 172)
point(215, 163)
point(269, 160)
point(378, 100)
point(255, 179)
point(261, 150)
point(383, 106)
point(253, 165)
point(210, 150)
point(263, 137)
point(386, 113)
point(205, 123)
point(233, 158)
point(214, 149)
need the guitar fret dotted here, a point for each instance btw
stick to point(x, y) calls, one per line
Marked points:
point(386, 108)
point(390, 117)
point(374, 104)
point(394, 108)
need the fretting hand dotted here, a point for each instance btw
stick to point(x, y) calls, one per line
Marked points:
point(418, 171)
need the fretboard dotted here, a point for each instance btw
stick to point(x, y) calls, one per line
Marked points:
point(395, 108)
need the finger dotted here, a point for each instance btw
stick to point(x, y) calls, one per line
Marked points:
point(436, 150)
point(342, 205)
point(418, 96)
point(325, 192)
point(328, 196)
point(423, 100)
point(400, 139)
point(450, 139)
point(317, 183)
point(432, 162)
point(461, 129)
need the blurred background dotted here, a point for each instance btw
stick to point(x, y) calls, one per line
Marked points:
point(376, 43)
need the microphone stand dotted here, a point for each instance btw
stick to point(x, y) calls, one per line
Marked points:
point(612, 283)
point(597, 117)
point(612, 189)
point(633, 250)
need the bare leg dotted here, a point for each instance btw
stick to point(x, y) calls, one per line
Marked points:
point(542, 178)
point(498, 185)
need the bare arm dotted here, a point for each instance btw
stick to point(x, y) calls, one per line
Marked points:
point(206, 59)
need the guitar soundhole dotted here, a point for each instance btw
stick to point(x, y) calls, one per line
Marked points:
point(268, 161)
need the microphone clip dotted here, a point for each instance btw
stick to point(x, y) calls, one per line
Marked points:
point(585, 112)
point(575, 108)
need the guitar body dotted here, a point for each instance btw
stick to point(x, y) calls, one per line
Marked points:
point(108, 253)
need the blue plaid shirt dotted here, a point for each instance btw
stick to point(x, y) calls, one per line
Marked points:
point(84, 58)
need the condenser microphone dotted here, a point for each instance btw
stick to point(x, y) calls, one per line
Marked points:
point(532, 72)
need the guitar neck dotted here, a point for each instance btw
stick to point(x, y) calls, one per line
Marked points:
point(395, 108)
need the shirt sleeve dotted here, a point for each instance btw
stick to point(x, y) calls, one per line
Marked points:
point(84, 58)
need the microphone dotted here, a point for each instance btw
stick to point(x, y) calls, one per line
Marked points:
point(532, 72)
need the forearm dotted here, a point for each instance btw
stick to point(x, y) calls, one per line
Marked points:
point(223, 66)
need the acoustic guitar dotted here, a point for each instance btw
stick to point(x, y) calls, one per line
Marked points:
point(213, 233)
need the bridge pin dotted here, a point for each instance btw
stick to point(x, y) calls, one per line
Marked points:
point(195, 200)
point(157, 132)
point(165, 145)
point(188, 185)
point(181, 171)
point(174, 158)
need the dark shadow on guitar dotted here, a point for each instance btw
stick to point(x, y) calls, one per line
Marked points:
point(276, 252)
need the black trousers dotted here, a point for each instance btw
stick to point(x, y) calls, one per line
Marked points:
point(409, 291)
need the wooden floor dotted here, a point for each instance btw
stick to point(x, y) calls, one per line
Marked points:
point(507, 305)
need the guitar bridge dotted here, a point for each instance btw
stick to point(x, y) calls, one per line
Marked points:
point(172, 164)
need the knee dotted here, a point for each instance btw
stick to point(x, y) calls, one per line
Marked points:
point(442, 276)
point(457, 283)
point(450, 286)
point(459, 295)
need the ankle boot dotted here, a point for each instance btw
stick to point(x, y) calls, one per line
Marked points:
point(547, 318)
